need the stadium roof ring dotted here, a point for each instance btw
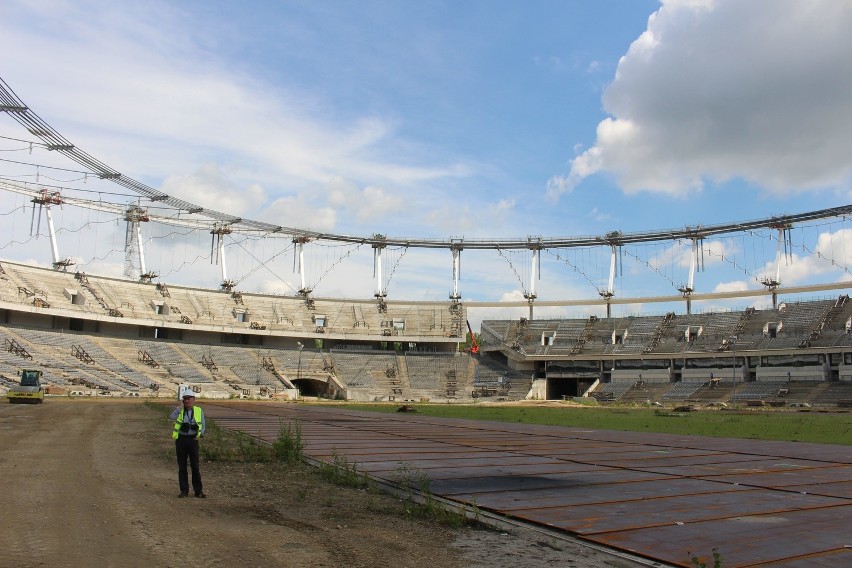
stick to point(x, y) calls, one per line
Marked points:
point(673, 255)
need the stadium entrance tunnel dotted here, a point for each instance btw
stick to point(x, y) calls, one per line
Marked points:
point(559, 388)
point(312, 387)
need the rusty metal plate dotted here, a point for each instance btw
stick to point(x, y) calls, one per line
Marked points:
point(649, 512)
point(583, 479)
point(657, 495)
point(744, 540)
point(585, 491)
point(787, 478)
point(834, 489)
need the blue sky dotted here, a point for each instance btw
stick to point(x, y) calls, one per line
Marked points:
point(457, 119)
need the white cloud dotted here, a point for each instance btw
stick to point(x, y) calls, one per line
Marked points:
point(680, 254)
point(723, 89)
point(279, 287)
point(598, 215)
point(832, 253)
point(464, 220)
point(512, 296)
point(294, 211)
point(505, 205)
point(158, 99)
point(367, 204)
point(835, 248)
point(733, 286)
point(209, 185)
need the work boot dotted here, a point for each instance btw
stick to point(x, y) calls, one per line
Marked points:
point(201, 495)
point(183, 494)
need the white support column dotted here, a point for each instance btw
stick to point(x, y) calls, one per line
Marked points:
point(534, 271)
point(692, 265)
point(534, 274)
point(378, 252)
point(773, 283)
point(138, 233)
point(218, 243)
point(44, 200)
point(299, 264)
point(781, 237)
point(456, 250)
point(612, 266)
point(300, 248)
point(133, 248)
point(53, 246)
point(221, 245)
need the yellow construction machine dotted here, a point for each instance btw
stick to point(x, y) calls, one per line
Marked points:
point(30, 389)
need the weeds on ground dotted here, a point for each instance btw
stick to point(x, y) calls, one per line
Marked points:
point(288, 447)
point(225, 445)
point(161, 408)
point(420, 503)
point(341, 472)
point(698, 562)
point(231, 446)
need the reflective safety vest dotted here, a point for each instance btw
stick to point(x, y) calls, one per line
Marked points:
point(197, 415)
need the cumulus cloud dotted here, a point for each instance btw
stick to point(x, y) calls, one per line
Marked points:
point(513, 296)
point(598, 215)
point(158, 82)
point(209, 184)
point(365, 204)
point(280, 287)
point(733, 286)
point(721, 89)
point(832, 253)
point(680, 254)
point(466, 220)
point(294, 211)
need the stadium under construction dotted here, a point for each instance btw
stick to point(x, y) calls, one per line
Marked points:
point(139, 332)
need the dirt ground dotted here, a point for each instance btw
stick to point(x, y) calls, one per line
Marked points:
point(90, 483)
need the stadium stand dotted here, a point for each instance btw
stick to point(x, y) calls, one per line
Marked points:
point(676, 357)
point(118, 337)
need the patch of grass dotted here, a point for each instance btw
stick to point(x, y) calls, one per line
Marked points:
point(699, 562)
point(421, 504)
point(158, 407)
point(220, 444)
point(826, 428)
point(224, 445)
point(343, 472)
point(288, 447)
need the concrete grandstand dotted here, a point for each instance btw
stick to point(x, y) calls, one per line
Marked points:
point(109, 336)
point(795, 354)
point(105, 336)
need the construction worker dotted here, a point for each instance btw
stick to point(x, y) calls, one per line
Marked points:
point(188, 428)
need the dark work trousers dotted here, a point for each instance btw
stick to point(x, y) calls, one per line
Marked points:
point(187, 447)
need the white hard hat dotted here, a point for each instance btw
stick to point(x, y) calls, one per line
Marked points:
point(188, 394)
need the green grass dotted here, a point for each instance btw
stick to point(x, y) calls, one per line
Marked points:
point(803, 426)
point(420, 503)
point(343, 472)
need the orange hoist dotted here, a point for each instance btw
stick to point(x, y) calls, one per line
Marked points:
point(474, 346)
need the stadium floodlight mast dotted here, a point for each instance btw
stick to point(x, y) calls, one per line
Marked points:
point(299, 347)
